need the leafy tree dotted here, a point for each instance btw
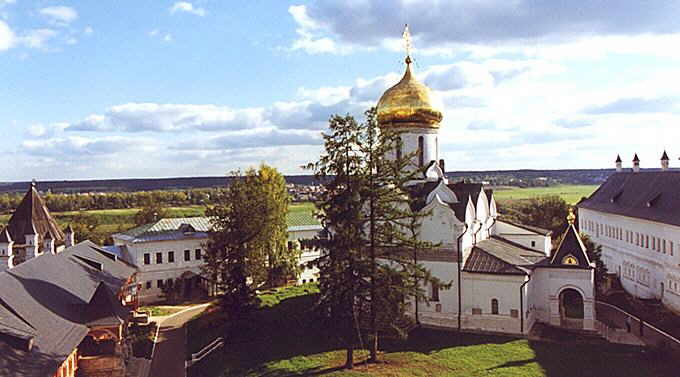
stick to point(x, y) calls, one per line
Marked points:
point(594, 252)
point(152, 211)
point(248, 242)
point(85, 228)
point(369, 269)
point(547, 212)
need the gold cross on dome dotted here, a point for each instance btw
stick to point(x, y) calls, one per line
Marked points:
point(407, 40)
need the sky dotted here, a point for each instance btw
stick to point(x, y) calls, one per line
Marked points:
point(155, 88)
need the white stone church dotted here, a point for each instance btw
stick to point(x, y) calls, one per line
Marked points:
point(504, 277)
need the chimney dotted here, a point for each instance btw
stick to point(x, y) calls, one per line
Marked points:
point(619, 166)
point(441, 165)
point(665, 161)
point(636, 164)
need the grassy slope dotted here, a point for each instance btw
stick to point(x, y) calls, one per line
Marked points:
point(285, 339)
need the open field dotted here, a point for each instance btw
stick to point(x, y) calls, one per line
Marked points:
point(114, 220)
point(570, 193)
point(285, 339)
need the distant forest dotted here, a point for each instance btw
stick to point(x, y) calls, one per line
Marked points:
point(516, 178)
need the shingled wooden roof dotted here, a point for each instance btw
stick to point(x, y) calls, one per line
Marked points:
point(32, 216)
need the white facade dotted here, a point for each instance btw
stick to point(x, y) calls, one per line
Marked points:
point(162, 261)
point(644, 254)
point(174, 249)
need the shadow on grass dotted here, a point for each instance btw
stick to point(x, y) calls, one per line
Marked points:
point(288, 340)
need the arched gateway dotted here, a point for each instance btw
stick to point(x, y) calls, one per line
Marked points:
point(571, 308)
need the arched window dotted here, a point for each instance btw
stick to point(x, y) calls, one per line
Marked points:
point(434, 294)
point(399, 149)
point(494, 306)
point(421, 151)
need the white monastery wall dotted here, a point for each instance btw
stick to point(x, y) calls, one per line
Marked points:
point(544, 290)
point(478, 292)
point(154, 274)
point(644, 254)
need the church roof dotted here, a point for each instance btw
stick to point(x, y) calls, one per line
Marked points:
point(571, 245)
point(497, 255)
point(5, 236)
point(464, 192)
point(51, 299)
point(408, 104)
point(33, 217)
point(648, 195)
point(664, 156)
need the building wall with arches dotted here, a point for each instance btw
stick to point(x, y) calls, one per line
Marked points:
point(544, 291)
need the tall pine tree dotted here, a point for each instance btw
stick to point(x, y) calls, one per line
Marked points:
point(369, 271)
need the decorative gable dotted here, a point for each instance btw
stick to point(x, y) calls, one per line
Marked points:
point(571, 252)
point(443, 192)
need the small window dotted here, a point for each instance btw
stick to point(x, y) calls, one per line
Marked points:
point(171, 257)
point(304, 281)
point(148, 285)
point(434, 294)
point(198, 254)
point(187, 255)
point(159, 283)
point(159, 258)
point(533, 243)
point(147, 258)
point(421, 151)
point(494, 306)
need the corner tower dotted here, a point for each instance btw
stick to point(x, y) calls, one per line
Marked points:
point(406, 108)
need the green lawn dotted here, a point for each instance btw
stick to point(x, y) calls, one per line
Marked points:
point(286, 339)
point(570, 193)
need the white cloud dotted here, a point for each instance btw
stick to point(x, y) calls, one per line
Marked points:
point(7, 36)
point(152, 117)
point(167, 37)
point(490, 27)
point(187, 7)
point(38, 38)
point(59, 15)
point(88, 30)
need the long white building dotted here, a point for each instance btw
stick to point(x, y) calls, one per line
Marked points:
point(173, 248)
point(635, 216)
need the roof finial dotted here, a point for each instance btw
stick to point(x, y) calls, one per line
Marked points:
point(571, 217)
point(407, 43)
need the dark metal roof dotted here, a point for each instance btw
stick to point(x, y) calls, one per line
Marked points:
point(571, 244)
point(664, 156)
point(648, 195)
point(32, 217)
point(497, 255)
point(618, 158)
point(52, 298)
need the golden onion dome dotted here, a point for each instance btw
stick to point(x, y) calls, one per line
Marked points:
point(407, 104)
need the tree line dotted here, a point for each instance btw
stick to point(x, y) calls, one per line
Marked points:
point(60, 202)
